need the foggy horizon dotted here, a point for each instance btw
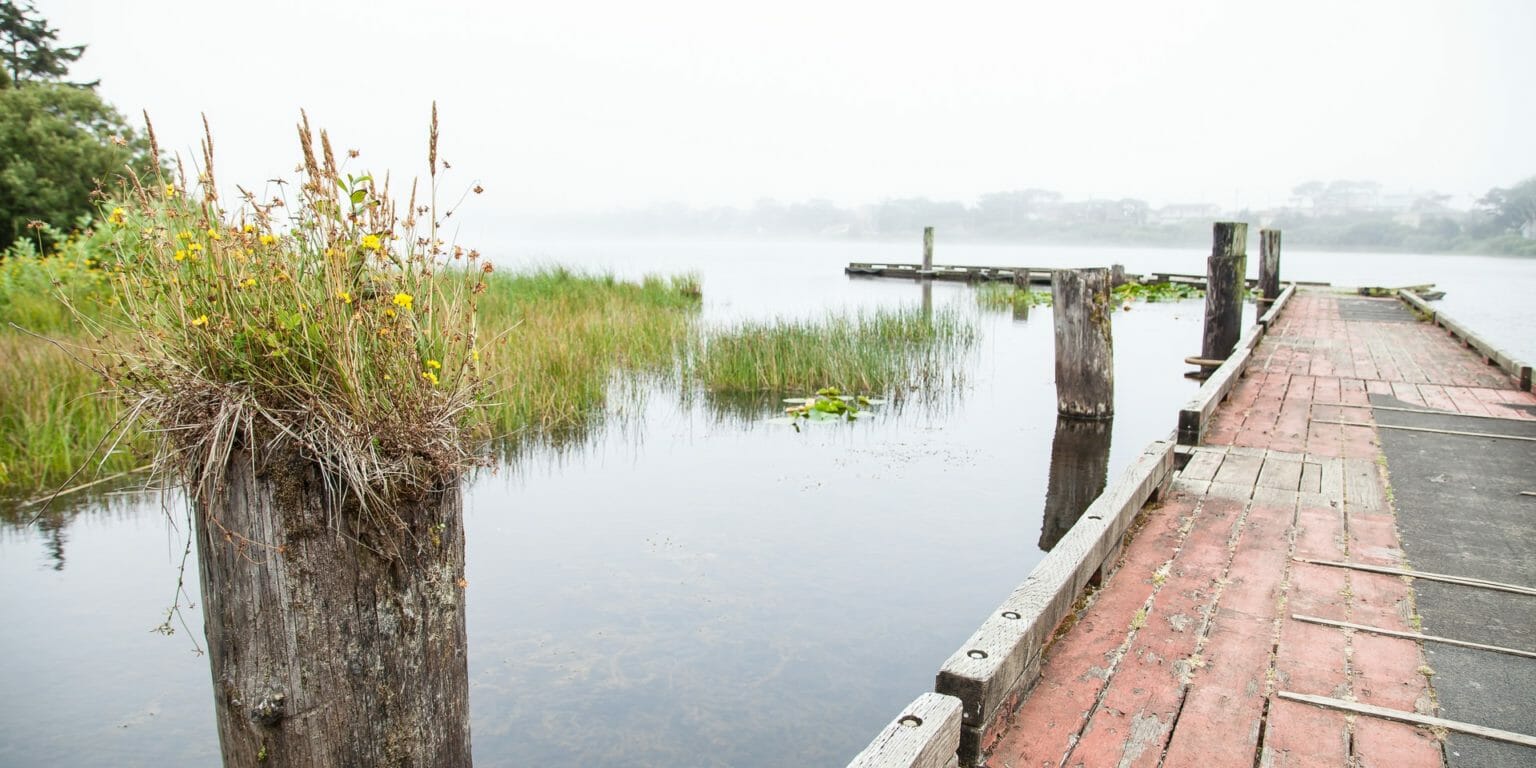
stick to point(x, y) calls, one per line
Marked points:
point(590, 108)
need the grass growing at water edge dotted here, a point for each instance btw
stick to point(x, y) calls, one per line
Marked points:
point(884, 351)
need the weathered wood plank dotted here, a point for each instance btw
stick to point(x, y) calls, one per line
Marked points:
point(1203, 465)
point(1416, 636)
point(1003, 655)
point(1281, 474)
point(1311, 477)
point(1273, 313)
point(1362, 486)
point(1411, 717)
point(1195, 417)
point(925, 735)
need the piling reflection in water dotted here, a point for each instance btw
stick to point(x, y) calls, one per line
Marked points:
point(1079, 470)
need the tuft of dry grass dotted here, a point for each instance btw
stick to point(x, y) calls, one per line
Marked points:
point(333, 323)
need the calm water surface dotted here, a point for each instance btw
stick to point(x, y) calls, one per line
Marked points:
point(692, 585)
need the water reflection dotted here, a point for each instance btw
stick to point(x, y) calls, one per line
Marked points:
point(1079, 470)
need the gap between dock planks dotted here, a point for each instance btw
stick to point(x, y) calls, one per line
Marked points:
point(1411, 717)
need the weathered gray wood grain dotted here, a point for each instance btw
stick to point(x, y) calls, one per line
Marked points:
point(1196, 415)
point(925, 735)
point(1085, 349)
point(334, 637)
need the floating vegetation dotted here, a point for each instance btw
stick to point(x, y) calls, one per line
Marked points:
point(828, 404)
point(1005, 296)
point(893, 351)
point(1154, 292)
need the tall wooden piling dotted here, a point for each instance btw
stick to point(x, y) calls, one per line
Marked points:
point(927, 250)
point(1269, 265)
point(1226, 272)
point(1085, 351)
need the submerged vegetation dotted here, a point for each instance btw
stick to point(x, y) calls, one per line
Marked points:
point(1004, 296)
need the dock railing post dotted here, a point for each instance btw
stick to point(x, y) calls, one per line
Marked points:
point(1085, 351)
point(1226, 276)
point(1269, 266)
point(927, 251)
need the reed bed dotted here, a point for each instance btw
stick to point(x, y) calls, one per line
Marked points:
point(565, 339)
point(886, 351)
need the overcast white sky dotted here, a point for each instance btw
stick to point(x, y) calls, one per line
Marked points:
point(571, 105)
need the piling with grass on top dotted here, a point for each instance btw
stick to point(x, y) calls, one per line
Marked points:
point(312, 369)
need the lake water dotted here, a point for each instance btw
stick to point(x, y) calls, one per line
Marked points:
point(690, 586)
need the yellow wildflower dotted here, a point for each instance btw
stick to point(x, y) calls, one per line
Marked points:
point(475, 354)
point(372, 242)
point(249, 228)
point(181, 255)
point(434, 365)
point(389, 313)
point(403, 300)
point(268, 239)
point(249, 282)
point(213, 234)
point(383, 331)
point(430, 376)
point(119, 216)
point(200, 321)
point(346, 298)
point(194, 247)
point(170, 190)
point(185, 234)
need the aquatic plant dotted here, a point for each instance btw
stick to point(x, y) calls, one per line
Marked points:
point(1005, 296)
point(891, 351)
point(1154, 292)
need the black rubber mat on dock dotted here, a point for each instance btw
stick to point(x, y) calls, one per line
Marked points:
point(1460, 511)
point(1375, 310)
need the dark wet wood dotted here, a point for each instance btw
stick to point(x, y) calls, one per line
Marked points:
point(333, 640)
point(1225, 270)
point(1269, 264)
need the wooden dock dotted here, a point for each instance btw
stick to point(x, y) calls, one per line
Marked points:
point(1036, 275)
point(956, 272)
point(1248, 609)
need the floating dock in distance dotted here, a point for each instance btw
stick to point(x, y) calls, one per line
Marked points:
point(1037, 275)
point(962, 273)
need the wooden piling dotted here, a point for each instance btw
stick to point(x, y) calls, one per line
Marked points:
point(1116, 275)
point(1269, 265)
point(1085, 365)
point(927, 250)
point(1225, 279)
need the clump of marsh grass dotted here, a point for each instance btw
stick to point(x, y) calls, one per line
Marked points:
point(576, 337)
point(884, 351)
point(1004, 296)
point(332, 324)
